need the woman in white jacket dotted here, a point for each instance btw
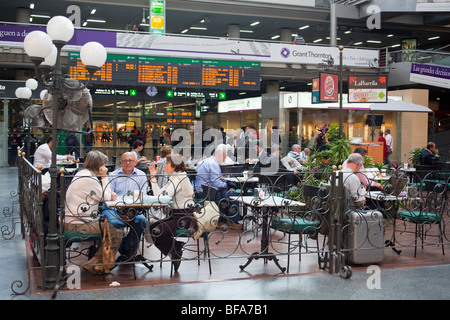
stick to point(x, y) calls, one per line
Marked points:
point(180, 216)
point(82, 207)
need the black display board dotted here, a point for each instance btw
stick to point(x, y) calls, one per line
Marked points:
point(171, 72)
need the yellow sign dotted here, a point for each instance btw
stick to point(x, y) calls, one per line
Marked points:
point(158, 22)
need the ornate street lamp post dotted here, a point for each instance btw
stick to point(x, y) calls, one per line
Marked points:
point(44, 50)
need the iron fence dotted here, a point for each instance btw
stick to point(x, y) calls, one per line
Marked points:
point(276, 215)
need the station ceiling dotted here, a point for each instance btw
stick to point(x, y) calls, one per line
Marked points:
point(217, 15)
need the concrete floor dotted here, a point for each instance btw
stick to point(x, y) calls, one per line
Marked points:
point(419, 283)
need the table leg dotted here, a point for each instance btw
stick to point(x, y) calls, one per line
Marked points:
point(264, 252)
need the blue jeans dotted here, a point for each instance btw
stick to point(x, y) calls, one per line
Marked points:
point(137, 230)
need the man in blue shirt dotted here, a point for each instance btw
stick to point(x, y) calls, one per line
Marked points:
point(210, 174)
point(124, 181)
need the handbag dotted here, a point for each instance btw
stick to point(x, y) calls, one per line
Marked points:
point(388, 150)
point(207, 218)
point(108, 256)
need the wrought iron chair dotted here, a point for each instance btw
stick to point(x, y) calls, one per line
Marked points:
point(427, 212)
point(209, 194)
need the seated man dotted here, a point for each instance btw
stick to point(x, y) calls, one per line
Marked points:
point(275, 164)
point(295, 153)
point(210, 174)
point(373, 185)
point(304, 155)
point(124, 181)
point(354, 189)
point(43, 156)
point(429, 156)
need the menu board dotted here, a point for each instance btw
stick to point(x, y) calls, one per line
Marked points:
point(172, 72)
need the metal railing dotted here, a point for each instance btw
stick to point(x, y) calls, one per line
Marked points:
point(280, 215)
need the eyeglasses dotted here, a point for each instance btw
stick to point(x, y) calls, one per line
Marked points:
point(128, 160)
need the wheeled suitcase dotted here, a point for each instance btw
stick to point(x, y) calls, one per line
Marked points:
point(365, 237)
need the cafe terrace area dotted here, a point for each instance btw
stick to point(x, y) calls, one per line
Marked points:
point(290, 226)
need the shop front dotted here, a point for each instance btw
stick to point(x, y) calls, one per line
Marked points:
point(405, 115)
point(118, 112)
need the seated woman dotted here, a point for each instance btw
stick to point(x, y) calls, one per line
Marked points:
point(138, 145)
point(82, 205)
point(181, 214)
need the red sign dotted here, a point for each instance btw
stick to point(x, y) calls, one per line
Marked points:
point(329, 87)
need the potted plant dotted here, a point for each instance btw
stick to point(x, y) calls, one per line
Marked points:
point(414, 156)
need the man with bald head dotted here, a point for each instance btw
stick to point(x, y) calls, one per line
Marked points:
point(124, 181)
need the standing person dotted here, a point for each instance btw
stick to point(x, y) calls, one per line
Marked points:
point(180, 189)
point(84, 194)
point(156, 133)
point(383, 140)
point(321, 143)
point(167, 140)
point(73, 145)
point(124, 181)
point(88, 140)
point(389, 145)
point(299, 39)
point(43, 155)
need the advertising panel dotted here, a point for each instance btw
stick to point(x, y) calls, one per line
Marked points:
point(367, 88)
point(329, 87)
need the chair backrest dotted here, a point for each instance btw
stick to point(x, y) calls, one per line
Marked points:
point(395, 185)
point(210, 193)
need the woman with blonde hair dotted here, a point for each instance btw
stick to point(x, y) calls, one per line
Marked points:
point(82, 208)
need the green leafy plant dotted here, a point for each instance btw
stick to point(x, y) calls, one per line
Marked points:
point(414, 157)
point(380, 165)
point(368, 162)
point(320, 164)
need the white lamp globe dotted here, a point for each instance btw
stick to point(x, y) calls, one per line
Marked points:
point(37, 44)
point(32, 84)
point(93, 54)
point(50, 60)
point(23, 93)
point(43, 93)
point(60, 28)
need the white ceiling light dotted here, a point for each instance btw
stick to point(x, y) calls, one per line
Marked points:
point(254, 23)
point(185, 30)
point(275, 37)
point(32, 6)
point(40, 16)
point(434, 38)
point(390, 35)
point(93, 11)
point(347, 32)
point(246, 31)
point(396, 45)
point(317, 40)
point(198, 28)
point(304, 27)
point(96, 20)
point(373, 41)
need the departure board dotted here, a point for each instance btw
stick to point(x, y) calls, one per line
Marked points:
point(230, 74)
point(170, 72)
